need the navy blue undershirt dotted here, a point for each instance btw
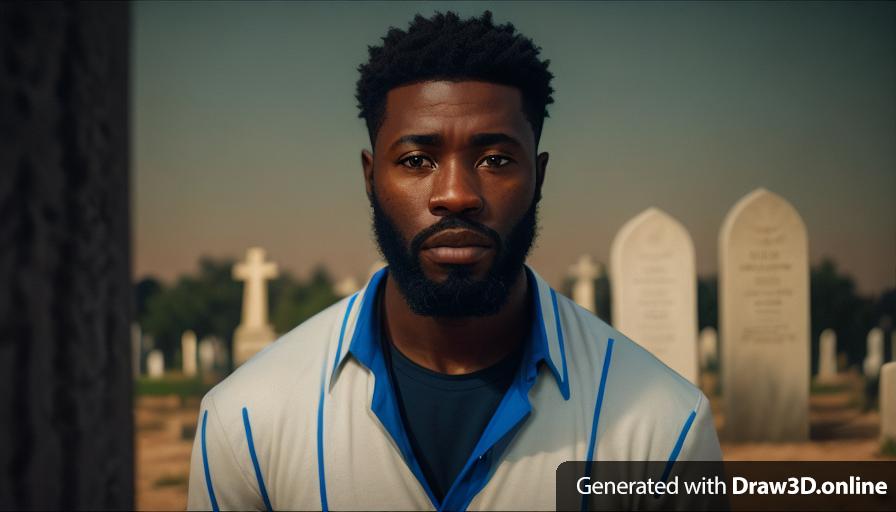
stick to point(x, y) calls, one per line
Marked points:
point(444, 415)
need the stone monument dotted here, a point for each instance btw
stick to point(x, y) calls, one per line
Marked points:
point(584, 271)
point(764, 320)
point(709, 347)
point(188, 353)
point(253, 333)
point(888, 403)
point(827, 356)
point(874, 357)
point(155, 364)
point(654, 281)
point(206, 355)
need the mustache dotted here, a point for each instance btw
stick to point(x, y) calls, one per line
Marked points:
point(454, 222)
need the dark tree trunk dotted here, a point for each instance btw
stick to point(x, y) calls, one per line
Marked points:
point(66, 422)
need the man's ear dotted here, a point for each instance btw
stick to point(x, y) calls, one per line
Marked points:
point(367, 167)
point(541, 167)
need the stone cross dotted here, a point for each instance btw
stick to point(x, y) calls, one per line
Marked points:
point(585, 271)
point(188, 352)
point(155, 364)
point(709, 347)
point(764, 320)
point(253, 333)
point(255, 272)
point(653, 271)
point(827, 356)
point(874, 357)
point(888, 402)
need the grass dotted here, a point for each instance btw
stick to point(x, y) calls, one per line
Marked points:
point(828, 389)
point(171, 385)
point(888, 448)
point(171, 481)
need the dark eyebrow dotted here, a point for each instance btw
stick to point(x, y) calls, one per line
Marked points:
point(429, 139)
point(491, 139)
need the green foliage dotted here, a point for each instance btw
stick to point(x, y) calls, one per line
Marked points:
point(294, 301)
point(181, 387)
point(210, 304)
point(836, 305)
point(172, 481)
point(888, 447)
point(708, 302)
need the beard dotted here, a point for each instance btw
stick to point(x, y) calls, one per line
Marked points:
point(460, 294)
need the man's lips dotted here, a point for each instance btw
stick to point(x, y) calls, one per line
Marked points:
point(456, 247)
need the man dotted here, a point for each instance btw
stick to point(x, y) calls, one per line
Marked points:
point(457, 378)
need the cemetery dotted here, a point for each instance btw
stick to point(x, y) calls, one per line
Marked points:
point(161, 183)
point(754, 365)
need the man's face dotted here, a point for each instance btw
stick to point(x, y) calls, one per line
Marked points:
point(454, 182)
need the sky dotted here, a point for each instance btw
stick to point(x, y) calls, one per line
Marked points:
point(245, 128)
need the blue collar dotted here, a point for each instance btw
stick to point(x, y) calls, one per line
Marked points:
point(547, 344)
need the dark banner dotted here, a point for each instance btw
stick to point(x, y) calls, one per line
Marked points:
point(753, 485)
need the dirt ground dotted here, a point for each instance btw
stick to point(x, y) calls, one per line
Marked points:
point(840, 430)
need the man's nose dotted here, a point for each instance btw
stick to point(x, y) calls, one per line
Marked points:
point(455, 191)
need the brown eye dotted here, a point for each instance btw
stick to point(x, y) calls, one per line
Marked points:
point(417, 162)
point(495, 161)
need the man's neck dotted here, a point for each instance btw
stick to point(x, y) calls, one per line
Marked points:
point(456, 346)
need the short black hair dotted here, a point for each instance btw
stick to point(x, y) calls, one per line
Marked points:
point(444, 47)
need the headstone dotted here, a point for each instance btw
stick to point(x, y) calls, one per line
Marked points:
point(206, 355)
point(136, 349)
point(254, 332)
point(654, 282)
point(155, 364)
point(827, 356)
point(874, 357)
point(888, 403)
point(764, 319)
point(709, 347)
point(585, 271)
point(188, 352)
point(221, 356)
point(346, 287)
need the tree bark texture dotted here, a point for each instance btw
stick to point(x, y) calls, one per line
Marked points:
point(66, 420)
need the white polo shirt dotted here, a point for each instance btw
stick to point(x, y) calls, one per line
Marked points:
point(312, 422)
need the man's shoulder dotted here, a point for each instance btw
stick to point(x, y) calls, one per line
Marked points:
point(632, 373)
point(289, 367)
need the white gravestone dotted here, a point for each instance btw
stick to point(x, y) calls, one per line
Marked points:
point(188, 353)
point(585, 271)
point(654, 281)
point(136, 349)
point(764, 319)
point(206, 355)
point(888, 403)
point(709, 347)
point(827, 356)
point(874, 358)
point(253, 333)
point(155, 364)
